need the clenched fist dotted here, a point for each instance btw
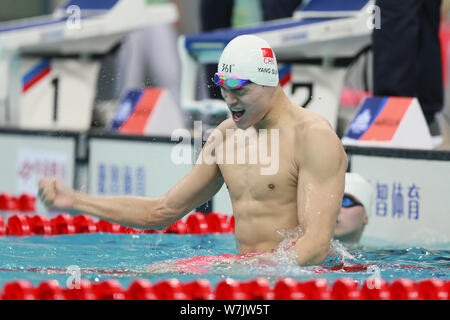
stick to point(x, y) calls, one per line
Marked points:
point(54, 194)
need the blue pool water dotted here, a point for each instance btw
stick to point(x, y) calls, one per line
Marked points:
point(125, 257)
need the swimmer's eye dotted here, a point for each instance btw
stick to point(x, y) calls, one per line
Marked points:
point(223, 91)
point(239, 91)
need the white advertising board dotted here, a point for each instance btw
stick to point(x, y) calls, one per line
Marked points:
point(411, 202)
point(26, 157)
point(133, 167)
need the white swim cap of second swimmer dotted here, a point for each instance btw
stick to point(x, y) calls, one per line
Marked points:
point(251, 58)
point(360, 188)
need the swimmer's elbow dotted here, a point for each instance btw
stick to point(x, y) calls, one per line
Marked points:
point(323, 249)
point(311, 253)
point(160, 216)
point(321, 256)
point(314, 260)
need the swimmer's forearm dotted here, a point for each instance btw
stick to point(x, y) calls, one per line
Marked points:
point(138, 212)
point(310, 251)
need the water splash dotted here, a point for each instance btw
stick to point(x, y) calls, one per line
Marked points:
point(280, 261)
point(284, 258)
point(341, 253)
point(285, 253)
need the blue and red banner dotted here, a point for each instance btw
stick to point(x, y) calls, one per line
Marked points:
point(37, 73)
point(378, 118)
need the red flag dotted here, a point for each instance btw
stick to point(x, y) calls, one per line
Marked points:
point(267, 52)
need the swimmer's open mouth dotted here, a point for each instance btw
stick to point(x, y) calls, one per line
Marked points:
point(237, 115)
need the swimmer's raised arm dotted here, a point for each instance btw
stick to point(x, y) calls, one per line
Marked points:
point(199, 184)
point(323, 163)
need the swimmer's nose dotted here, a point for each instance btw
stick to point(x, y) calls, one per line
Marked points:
point(231, 100)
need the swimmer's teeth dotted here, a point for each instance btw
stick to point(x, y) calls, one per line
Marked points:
point(237, 114)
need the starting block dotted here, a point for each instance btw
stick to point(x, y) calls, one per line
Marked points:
point(49, 65)
point(308, 46)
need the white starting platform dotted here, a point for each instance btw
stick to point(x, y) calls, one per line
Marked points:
point(307, 46)
point(49, 66)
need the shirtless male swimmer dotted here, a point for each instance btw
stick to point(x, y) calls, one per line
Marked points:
point(306, 191)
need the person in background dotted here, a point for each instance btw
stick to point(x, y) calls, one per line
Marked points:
point(279, 9)
point(215, 15)
point(355, 210)
point(149, 58)
point(407, 56)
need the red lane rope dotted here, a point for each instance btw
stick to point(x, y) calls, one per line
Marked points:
point(26, 225)
point(25, 202)
point(231, 289)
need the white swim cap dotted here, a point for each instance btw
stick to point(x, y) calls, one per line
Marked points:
point(359, 187)
point(251, 58)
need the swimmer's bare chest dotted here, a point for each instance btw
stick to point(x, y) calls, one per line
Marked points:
point(264, 201)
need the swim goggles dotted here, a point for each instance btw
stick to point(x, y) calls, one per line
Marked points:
point(231, 82)
point(348, 202)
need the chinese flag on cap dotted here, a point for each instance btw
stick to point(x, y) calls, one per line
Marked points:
point(267, 52)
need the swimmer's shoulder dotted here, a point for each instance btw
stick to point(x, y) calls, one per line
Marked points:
point(223, 126)
point(221, 130)
point(314, 134)
point(308, 123)
point(226, 124)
